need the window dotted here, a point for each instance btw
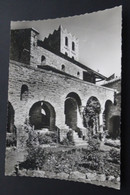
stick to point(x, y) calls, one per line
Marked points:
point(66, 41)
point(66, 53)
point(24, 92)
point(43, 60)
point(78, 73)
point(35, 41)
point(73, 46)
point(63, 67)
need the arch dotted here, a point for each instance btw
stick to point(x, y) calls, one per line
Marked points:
point(24, 92)
point(11, 135)
point(10, 120)
point(114, 130)
point(107, 114)
point(71, 110)
point(66, 41)
point(42, 115)
point(71, 113)
point(75, 96)
point(73, 46)
point(43, 60)
point(91, 115)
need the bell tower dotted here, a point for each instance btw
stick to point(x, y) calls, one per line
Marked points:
point(68, 44)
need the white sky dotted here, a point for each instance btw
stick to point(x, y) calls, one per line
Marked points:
point(99, 35)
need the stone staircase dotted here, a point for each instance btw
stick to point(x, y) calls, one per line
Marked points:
point(78, 141)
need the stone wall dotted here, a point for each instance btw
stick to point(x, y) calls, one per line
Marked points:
point(55, 61)
point(24, 49)
point(20, 45)
point(115, 109)
point(51, 87)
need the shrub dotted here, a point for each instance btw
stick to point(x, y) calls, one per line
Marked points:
point(35, 158)
point(70, 136)
point(115, 155)
point(10, 140)
point(69, 139)
point(94, 144)
point(65, 142)
point(47, 138)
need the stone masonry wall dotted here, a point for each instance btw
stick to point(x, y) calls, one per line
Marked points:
point(115, 109)
point(20, 45)
point(54, 61)
point(50, 87)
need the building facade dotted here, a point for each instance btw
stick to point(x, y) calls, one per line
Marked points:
point(50, 89)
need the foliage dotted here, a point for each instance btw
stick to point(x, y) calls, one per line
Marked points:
point(39, 138)
point(94, 143)
point(91, 112)
point(47, 138)
point(114, 155)
point(68, 140)
point(35, 158)
point(70, 136)
point(11, 140)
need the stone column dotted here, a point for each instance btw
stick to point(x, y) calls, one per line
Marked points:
point(101, 121)
point(80, 121)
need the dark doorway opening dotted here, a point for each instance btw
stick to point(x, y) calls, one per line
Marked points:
point(42, 115)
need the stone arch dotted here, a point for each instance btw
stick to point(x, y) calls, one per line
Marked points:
point(76, 97)
point(114, 130)
point(42, 115)
point(91, 115)
point(10, 120)
point(71, 110)
point(11, 129)
point(24, 92)
point(107, 115)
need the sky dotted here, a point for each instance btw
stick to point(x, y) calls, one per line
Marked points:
point(99, 35)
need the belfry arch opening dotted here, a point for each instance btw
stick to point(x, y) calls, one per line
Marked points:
point(91, 115)
point(42, 115)
point(72, 107)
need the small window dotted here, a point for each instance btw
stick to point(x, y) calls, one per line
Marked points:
point(73, 46)
point(24, 92)
point(66, 41)
point(66, 53)
point(43, 60)
point(63, 67)
point(78, 73)
point(35, 41)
